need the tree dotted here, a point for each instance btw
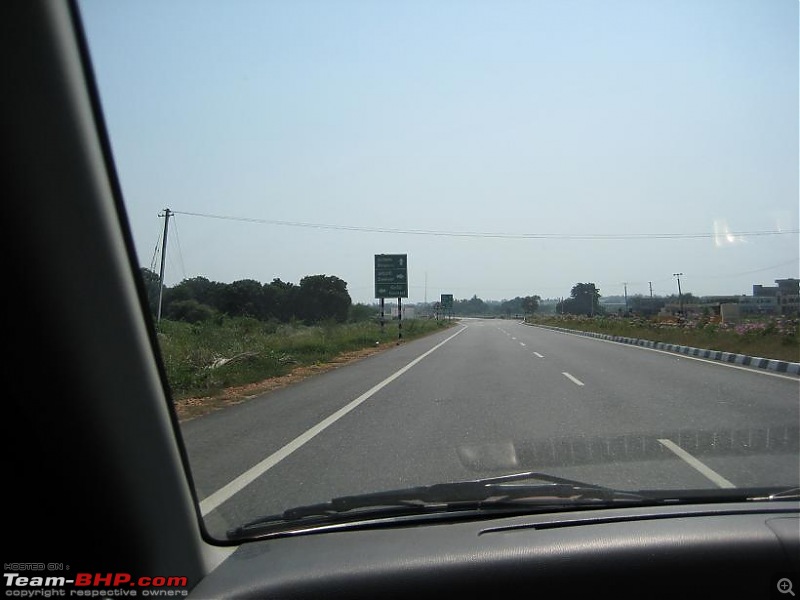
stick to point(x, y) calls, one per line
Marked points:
point(646, 306)
point(473, 306)
point(511, 307)
point(584, 300)
point(199, 289)
point(190, 311)
point(282, 296)
point(530, 304)
point(244, 297)
point(151, 282)
point(322, 297)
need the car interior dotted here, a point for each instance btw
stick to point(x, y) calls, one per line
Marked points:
point(98, 472)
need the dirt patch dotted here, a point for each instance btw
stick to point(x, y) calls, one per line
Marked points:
point(190, 408)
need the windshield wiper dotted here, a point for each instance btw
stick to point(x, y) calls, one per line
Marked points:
point(493, 493)
point(792, 493)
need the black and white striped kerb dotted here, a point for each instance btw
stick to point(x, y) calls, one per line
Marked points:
point(779, 366)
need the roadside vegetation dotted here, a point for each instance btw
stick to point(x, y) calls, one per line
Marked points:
point(221, 343)
point(767, 337)
point(204, 359)
point(230, 340)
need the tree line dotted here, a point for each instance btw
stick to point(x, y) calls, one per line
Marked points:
point(316, 298)
point(325, 297)
point(585, 300)
point(521, 305)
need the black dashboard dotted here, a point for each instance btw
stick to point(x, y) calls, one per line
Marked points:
point(709, 551)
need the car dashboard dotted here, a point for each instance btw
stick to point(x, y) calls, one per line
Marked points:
point(694, 551)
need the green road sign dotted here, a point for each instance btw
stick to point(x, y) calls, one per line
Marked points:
point(447, 301)
point(391, 276)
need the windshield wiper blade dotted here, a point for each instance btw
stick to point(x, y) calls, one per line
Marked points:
point(505, 491)
point(787, 494)
point(792, 493)
point(488, 491)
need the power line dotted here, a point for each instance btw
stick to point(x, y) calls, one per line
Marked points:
point(486, 234)
point(178, 244)
point(155, 251)
point(790, 262)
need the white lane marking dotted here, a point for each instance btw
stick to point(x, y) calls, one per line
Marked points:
point(522, 344)
point(692, 461)
point(239, 483)
point(574, 380)
point(709, 361)
point(539, 355)
point(513, 338)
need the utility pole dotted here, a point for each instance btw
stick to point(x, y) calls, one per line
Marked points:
point(626, 297)
point(680, 295)
point(651, 288)
point(166, 216)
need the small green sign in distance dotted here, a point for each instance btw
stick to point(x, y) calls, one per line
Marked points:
point(391, 276)
point(447, 301)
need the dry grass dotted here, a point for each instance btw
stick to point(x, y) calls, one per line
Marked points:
point(191, 408)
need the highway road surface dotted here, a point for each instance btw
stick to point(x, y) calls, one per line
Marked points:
point(492, 397)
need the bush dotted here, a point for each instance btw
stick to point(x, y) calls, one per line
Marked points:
point(190, 311)
point(202, 358)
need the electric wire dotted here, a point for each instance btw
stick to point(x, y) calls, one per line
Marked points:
point(487, 234)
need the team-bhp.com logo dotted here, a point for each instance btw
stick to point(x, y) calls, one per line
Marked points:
point(30, 582)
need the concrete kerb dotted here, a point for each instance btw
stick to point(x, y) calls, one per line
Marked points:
point(778, 366)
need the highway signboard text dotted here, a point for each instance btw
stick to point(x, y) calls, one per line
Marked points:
point(391, 276)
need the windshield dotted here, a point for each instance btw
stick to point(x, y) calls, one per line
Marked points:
point(394, 245)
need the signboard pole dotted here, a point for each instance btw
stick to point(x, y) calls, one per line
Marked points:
point(391, 281)
point(399, 318)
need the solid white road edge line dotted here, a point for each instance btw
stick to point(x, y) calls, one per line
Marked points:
point(707, 471)
point(709, 361)
point(227, 491)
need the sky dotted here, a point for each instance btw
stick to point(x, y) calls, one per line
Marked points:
point(507, 147)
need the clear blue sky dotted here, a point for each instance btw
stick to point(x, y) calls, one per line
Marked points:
point(545, 121)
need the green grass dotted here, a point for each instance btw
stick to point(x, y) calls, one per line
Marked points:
point(206, 358)
point(774, 338)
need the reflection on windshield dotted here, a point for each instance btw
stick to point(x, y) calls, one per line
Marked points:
point(585, 450)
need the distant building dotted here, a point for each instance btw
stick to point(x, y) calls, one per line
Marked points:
point(689, 309)
point(760, 291)
point(729, 311)
point(758, 305)
point(781, 299)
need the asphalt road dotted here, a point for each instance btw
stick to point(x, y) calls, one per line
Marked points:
point(491, 397)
